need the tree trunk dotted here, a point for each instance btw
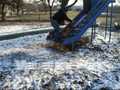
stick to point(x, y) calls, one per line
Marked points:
point(50, 13)
point(64, 3)
point(3, 12)
point(18, 7)
point(39, 17)
point(18, 10)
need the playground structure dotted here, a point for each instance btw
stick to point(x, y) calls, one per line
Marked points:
point(72, 34)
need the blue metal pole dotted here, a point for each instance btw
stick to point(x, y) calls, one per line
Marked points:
point(111, 19)
point(92, 34)
point(106, 26)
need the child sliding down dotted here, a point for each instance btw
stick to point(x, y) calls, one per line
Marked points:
point(58, 19)
point(61, 17)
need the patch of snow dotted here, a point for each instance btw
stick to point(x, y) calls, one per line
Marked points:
point(24, 65)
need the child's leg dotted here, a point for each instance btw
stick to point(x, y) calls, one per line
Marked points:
point(86, 5)
point(68, 19)
point(55, 25)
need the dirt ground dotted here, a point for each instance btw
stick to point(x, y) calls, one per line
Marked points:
point(23, 23)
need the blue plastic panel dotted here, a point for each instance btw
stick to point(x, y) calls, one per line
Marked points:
point(99, 8)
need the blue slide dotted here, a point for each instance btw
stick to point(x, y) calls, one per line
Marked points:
point(81, 23)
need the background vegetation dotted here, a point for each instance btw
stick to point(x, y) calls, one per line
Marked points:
point(38, 10)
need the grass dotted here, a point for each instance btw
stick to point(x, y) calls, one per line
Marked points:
point(40, 16)
point(34, 17)
point(30, 17)
point(72, 14)
point(100, 19)
point(44, 16)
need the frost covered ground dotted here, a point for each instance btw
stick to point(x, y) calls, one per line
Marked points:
point(20, 27)
point(25, 65)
